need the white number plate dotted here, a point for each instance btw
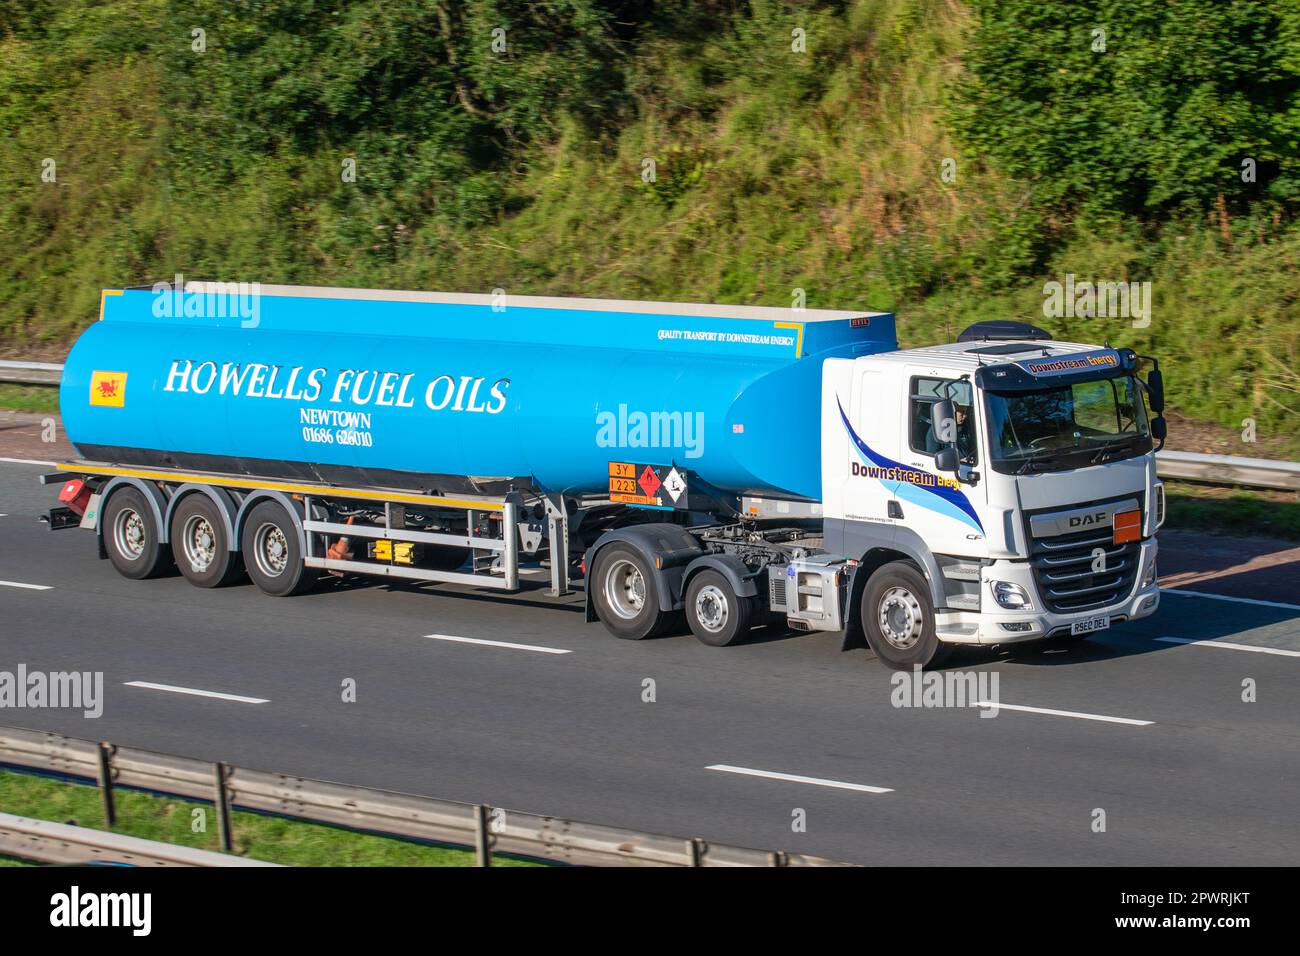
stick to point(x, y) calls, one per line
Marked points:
point(1090, 625)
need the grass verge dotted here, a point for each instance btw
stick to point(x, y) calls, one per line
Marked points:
point(1233, 511)
point(29, 398)
point(168, 820)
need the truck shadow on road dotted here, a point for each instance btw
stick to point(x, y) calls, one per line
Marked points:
point(1179, 617)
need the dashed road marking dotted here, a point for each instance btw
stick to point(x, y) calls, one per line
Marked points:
point(507, 644)
point(172, 689)
point(797, 778)
point(1226, 597)
point(1064, 713)
point(1210, 642)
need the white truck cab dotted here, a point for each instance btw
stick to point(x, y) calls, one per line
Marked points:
point(1017, 473)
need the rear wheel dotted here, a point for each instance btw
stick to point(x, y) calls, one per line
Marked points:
point(626, 594)
point(272, 554)
point(898, 618)
point(200, 545)
point(131, 537)
point(716, 614)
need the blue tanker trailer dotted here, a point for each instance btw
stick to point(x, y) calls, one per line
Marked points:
point(721, 463)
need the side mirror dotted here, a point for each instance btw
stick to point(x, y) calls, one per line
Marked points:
point(945, 459)
point(944, 418)
point(1159, 429)
point(1156, 391)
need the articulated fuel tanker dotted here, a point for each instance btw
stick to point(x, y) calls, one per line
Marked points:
point(716, 466)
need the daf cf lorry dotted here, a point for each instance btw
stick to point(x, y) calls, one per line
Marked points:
point(706, 466)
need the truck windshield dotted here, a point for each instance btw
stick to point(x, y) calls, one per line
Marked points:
point(1069, 426)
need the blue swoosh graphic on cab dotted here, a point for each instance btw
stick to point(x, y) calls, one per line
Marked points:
point(952, 502)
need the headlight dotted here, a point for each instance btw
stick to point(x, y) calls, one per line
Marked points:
point(1011, 596)
point(1149, 578)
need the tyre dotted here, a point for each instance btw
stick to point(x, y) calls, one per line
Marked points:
point(626, 594)
point(272, 554)
point(898, 618)
point(200, 545)
point(715, 613)
point(131, 537)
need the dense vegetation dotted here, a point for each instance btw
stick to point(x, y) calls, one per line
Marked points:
point(937, 158)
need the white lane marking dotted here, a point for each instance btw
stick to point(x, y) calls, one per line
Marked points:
point(796, 778)
point(26, 461)
point(1225, 597)
point(1210, 642)
point(1064, 713)
point(513, 647)
point(196, 693)
point(29, 587)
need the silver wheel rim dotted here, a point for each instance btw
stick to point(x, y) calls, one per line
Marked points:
point(270, 550)
point(129, 533)
point(199, 543)
point(901, 618)
point(625, 589)
point(711, 608)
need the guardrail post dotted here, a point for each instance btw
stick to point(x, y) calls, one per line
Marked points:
point(482, 839)
point(106, 782)
point(221, 773)
point(695, 852)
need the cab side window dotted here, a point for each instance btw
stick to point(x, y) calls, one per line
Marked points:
point(925, 392)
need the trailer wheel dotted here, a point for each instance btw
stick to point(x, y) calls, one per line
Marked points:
point(626, 594)
point(272, 554)
point(717, 615)
point(898, 619)
point(131, 538)
point(199, 543)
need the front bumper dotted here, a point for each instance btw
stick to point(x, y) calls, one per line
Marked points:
point(994, 624)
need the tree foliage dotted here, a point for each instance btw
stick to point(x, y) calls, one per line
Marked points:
point(1140, 108)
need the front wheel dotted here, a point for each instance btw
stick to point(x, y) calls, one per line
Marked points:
point(898, 619)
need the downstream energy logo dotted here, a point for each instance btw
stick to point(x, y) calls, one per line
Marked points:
point(660, 429)
point(75, 909)
point(54, 690)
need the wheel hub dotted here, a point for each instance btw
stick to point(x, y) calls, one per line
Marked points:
point(901, 618)
point(711, 608)
point(270, 550)
point(129, 533)
point(200, 543)
point(625, 589)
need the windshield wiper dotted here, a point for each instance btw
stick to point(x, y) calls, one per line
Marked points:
point(1115, 444)
point(1034, 463)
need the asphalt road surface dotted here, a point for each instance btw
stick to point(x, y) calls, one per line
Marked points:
point(1147, 722)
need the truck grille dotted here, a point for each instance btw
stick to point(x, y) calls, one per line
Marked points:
point(1063, 570)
